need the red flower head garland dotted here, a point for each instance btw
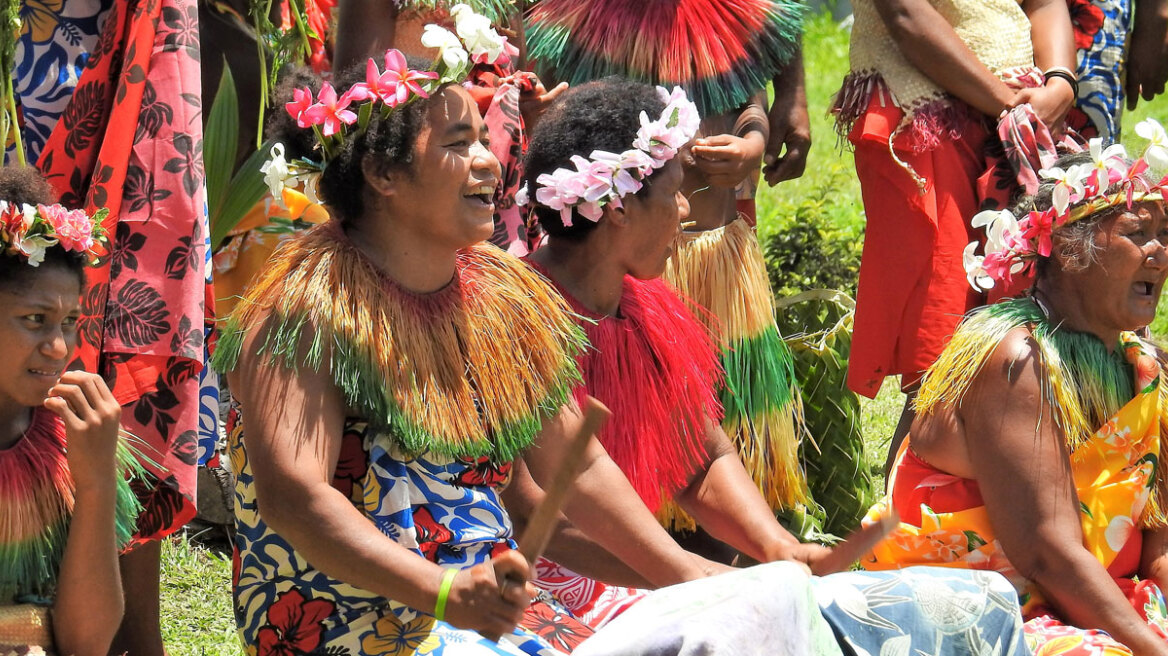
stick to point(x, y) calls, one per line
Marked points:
point(1013, 244)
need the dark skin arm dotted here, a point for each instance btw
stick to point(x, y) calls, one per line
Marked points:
point(294, 423)
point(727, 159)
point(930, 44)
point(789, 143)
point(88, 607)
point(1147, 59)
point(1154, 556)
point(1054, 45)
point(1022, 467)
point(724, 500)
point(569, 545)
point(605, 507)
point(364, 27)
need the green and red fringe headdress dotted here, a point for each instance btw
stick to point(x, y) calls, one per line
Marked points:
point(720, 51)
point(36, 503)
point(470, 370)
point(655, 366)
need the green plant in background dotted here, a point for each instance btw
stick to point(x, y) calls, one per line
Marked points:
point(9, 116)
point(277, 47)
point(815, 243)
point(230, 194)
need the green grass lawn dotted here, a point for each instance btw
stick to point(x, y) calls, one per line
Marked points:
point(196, 606)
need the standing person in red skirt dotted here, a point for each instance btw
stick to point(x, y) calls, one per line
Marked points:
point(928, 82)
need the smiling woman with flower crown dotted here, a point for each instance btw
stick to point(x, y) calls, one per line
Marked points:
point(1036, 448)
point(388, 368)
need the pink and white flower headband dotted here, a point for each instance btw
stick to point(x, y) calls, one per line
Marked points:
point(1013, 244)
point(604, 178)
point(29, 230)
point(335, 118)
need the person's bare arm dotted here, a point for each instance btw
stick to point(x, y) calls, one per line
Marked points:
point(930, 44)
point(1023, 470)
point(364, 27)
point(789, 141)
point(569, 545)
point(604, 505)
point(293, 423)
point(1054, 46)
point(88, 606)
point(1154, 556)
point(1147, 57)
point(725, 501)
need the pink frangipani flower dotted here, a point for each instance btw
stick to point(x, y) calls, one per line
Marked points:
point(329, 112)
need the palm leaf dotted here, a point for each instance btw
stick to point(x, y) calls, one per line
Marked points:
point(819, 325)
point(221, 140)
point(247, 188)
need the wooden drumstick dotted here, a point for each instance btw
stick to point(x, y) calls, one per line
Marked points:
point(544, 520)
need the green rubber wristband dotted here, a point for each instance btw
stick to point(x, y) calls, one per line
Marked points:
point(444, 593)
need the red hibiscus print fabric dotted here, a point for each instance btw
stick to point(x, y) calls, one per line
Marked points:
point(483, 472)
point(352, 464)
point(1086, 21)
point(294, 625)
point(130, 140)
point(559, 629)
point(431, 534)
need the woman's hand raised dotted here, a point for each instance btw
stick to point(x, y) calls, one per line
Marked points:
point(92, 418)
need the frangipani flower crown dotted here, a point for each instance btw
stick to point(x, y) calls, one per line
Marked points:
point(604, 178)
point(29, 230)
point(335, 119)
point(1013, 244)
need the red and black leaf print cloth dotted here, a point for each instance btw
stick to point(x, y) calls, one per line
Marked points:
point(130, 140)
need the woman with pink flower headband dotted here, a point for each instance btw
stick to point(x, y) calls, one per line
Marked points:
point(388, 369)
point(604, 174)
point(1036, 448)
point(65, 503)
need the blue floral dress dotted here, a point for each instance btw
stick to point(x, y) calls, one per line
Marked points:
point(446, 510)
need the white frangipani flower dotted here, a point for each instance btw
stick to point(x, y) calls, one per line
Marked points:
point(276, 173)
point(997, 224)
point(1156, 152)
point(476, 32)
point(974, 270)
point(449, 47)
point(1069, 185)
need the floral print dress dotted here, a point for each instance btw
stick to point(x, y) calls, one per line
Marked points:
point(945, 522)
point(447, 510)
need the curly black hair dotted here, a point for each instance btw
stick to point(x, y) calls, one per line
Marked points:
point(280, 125)
point(390, 139)
point(25, 185)
point(600, 115)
